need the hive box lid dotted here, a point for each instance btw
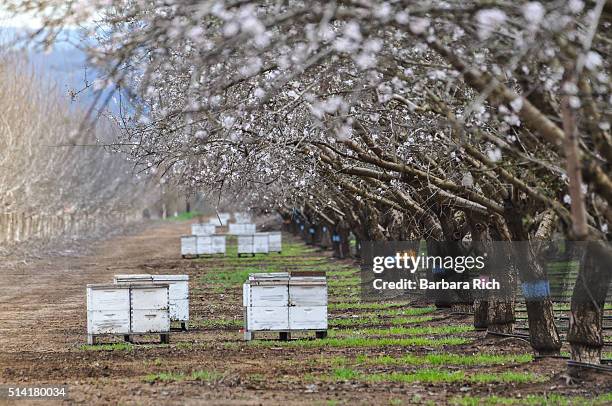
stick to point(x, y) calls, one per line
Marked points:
point(268, 276)
point(170, 277)
point(294, 274)
point(108, 286)
point(271, 278)
point(134, 277)
point(126, 285)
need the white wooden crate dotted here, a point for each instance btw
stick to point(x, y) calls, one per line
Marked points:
point(178, 292)
point(150, 308)
point(308, 318)
point(283, 303)
point(225, 218)
point(108, 310)
point(210, 244)
point(242, 217)
point(275, 241)
point(261, 243)
point(274, 318)
point(189, 245)
point(245, 244)
point(204, 245)
point(220, 221)
point(127, 308)
point(218, 243)
point(202, 229)
point(241, 228)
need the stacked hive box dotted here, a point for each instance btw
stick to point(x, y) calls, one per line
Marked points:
point(242, 217)
point(202, 229)
point(189, 245)
point(210, 245)
point(178, 293)
point(253, 244)
point(275, 241)
point(124, 309)
point(202, 241)
point(241, 228)
point(282, 302)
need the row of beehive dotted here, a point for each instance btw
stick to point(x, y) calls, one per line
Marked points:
point(137, 304)
point(260, 243)
point(196, 245)
point(223, 219)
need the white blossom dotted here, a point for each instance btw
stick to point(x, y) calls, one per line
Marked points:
point(488, 21)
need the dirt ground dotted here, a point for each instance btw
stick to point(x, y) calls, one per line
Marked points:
point(43, 332)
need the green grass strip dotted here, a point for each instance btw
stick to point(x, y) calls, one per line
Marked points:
point(409, 331)
point(444, 359)
point(533, 400)
point(108, 347)
point(202, 376)
point(436, 376)
point(367, 321)
point(364, 306)
point(364, 342)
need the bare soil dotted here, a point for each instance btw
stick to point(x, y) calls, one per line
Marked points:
point(43, 328)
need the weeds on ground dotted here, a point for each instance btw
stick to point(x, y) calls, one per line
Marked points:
point(533, 400)
point(108, 347)
point(201, 375)
point(434, 376)
point(407, 331)
point(363, 342)
point(184, 216)
point(375, 321)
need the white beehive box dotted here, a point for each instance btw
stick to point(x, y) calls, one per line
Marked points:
point(189, 245)
point(245, 244)
point(178, 292)
point(150, 308)
point(214, 221)
point(225, 218)
point(218, 243)
point(210, 244)
point(282, 302)
point(125, 309)
point(242, 217)
point(202, 229)
point(275, 241)
point(307, 303)
point(108, 310)
point(266, 302)
point(241, 228)
point(204, 245)
point(261, 244)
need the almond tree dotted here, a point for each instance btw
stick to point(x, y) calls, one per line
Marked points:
point(481, 121)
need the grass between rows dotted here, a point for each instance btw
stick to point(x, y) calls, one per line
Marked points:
point(533, 400)
point(184, 216)
point(408, 331)
point(374, 321)
point(201, 375)
point(365, 306)
point(433, 376)
point(363, 342)
point(437, 359)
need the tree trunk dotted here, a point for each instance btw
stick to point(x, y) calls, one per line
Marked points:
point(500, 316)
point(481, 314)
point(543, 333)
point(585, 333)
